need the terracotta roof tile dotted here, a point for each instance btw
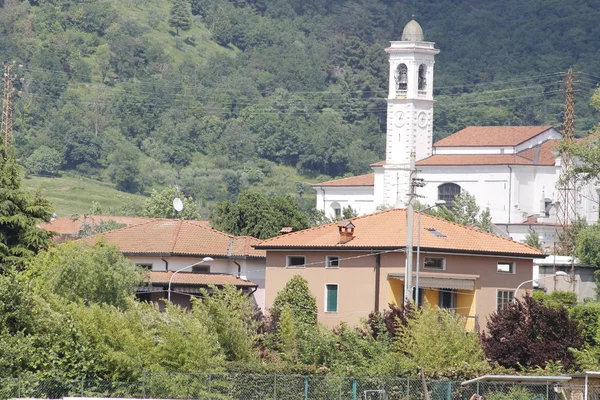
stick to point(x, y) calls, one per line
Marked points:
point(66, 226)
point(475, 159)
point(387, 229)
point(360, 180)
point(477, 136)
point(195, 278)
point(178, 237)
point(544, 154)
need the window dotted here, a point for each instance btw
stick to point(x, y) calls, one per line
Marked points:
point(505, 297)
point(448, 192)
point(337, 209)
point(434, 263)
point(205, 269)
point(331, 298)
point(332, 262)
point(295, 261)
point(447, 299)
point(147, 266)
point(505, 267)
point(422, 79)
point(401, 77)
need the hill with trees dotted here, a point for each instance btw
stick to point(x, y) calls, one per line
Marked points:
point(219, 96)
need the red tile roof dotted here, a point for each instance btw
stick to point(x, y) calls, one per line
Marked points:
point(387, 230)
point(178, 237)
point(475, 159)
point(360, 180)
point(68, 226)
point(482, 136)
point(543, 154)
point(195, 278)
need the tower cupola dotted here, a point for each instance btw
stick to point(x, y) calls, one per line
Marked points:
point(412, 32)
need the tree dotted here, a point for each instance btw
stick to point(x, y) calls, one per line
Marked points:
point(588, 245)
point(529, 334)
point(44, 161)
point(533, 239)
point(297, 296)
point(459, 355)
point(20, 213)
point(124, 168)
point(160, 205)
point(81, 273)
point(257, 215)
point(464, 211)
point(181, 15)
point(230, 315)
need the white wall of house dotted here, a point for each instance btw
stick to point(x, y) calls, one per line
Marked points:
point(360, 198)
point(250, 269)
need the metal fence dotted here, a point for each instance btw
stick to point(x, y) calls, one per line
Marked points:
point(287, 387)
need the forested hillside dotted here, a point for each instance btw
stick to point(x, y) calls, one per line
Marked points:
point(222, 95)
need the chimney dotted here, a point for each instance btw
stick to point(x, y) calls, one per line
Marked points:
point(346, 229)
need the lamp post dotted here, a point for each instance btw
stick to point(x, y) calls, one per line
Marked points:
point(205, 259)
point(558, 273)
point(437, 204)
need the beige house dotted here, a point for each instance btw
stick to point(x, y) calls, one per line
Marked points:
point(358, 266)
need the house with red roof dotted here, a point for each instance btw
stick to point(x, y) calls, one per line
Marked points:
point(356, 267)
point(512, 170)
point(173, 251)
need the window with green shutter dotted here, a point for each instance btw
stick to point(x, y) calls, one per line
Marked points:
point(331, 301)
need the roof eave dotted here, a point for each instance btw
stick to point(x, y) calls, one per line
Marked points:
point(403, 248)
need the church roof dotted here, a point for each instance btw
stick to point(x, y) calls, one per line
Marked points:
point(412, 32)
point(387, 229)
point(360, 180)
point(485, 136)
point(543, 154)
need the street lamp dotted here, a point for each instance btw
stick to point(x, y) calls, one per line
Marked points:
point(437, 204)
point(205, 259)
point(558, 273)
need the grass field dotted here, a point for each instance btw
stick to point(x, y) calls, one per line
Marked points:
point(74, 195)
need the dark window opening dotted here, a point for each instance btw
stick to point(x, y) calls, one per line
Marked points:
point(296, 261)
point(448, 192)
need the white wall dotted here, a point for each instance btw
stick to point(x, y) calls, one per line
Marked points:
point(252, 269)
point(360, 198)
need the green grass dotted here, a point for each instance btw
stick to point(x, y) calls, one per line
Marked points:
point(74, 195)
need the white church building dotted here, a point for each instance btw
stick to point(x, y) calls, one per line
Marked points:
point(513, 170)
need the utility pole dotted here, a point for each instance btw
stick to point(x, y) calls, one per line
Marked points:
point(7, 105)
point(566, 214)
point(409, 232)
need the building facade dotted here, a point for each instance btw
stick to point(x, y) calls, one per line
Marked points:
point(513, 171)
point(357, 267)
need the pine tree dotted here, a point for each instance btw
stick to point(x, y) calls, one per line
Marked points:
point(20, 213)
point(181, 16)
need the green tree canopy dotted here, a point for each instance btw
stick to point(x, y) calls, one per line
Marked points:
point(160, 205)
point(20, 213)
point(255, 214)
point(88, 274)
point(300, 300)
point(181, 15)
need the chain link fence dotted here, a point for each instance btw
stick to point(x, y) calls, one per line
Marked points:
point(288, 387)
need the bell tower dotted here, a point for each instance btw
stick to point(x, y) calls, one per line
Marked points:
point(409, 110)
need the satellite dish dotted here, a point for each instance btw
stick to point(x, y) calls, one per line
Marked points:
point(177, 204)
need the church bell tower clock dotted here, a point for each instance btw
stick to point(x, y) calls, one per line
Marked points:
point(409, 111)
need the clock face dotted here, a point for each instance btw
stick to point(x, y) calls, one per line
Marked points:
point(422, 119)
point(399, 119)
